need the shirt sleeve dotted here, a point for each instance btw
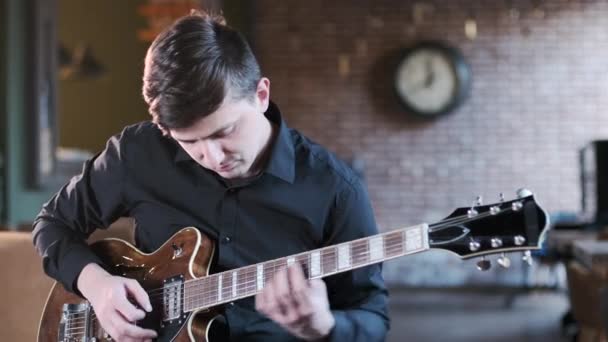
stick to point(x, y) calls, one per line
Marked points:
point(91, 200)
point(358, 298)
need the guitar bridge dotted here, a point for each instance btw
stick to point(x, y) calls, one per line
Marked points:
point(76, 324)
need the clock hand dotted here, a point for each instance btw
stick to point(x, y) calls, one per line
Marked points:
point(430, 75)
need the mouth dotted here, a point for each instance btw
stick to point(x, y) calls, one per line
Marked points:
point(227, 167)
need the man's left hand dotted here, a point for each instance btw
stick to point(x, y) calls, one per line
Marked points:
point(297, 304)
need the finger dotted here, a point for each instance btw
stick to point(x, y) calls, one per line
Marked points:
point(287, 299)
point(281, 296)
point(281, 288)
point(129, 339)
point(318, 285)
point(108, 326)
point(260, 299)
point(297, 281)
point(300, 291)
point(129, 330)
point(269, 301)
point(127, 309)
point(140, 295)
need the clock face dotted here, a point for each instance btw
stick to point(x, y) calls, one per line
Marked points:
point(428, 80)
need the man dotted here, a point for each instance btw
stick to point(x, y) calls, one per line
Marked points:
point(218, 156)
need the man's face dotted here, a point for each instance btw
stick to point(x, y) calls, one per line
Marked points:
point(229, 140)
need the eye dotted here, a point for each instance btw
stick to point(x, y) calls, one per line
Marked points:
point(226, 132)
point(187, 142)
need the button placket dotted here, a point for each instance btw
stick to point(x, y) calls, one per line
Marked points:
point(228, 219)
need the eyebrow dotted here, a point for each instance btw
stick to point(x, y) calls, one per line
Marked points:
point(216, 132)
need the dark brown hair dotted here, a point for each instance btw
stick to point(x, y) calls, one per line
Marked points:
point(191, 68)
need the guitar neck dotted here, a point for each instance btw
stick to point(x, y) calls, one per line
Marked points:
point(247, 281)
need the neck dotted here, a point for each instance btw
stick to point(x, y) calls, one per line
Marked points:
point(268, 138)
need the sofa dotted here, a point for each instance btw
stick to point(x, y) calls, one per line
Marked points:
point(24, 286)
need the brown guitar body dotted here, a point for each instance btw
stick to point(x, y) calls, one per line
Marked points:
point(187, 254)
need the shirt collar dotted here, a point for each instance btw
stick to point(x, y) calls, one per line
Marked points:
point(282, 160)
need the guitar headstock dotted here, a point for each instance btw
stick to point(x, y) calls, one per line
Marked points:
point(479, 230)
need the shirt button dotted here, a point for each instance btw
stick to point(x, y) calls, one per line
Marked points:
point(226, 239)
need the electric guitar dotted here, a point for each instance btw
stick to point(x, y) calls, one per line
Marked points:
point(186, 298)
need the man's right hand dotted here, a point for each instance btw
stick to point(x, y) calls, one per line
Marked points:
point(109, 296)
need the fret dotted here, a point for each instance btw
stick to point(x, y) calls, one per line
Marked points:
point(246, 281)
point(413, 239)
point(212, 285)
point(302, 259)
point(344, 260)
point(269, 270)
point(290, 261)
point(227, 285)
point(376, 248)
point(328, 260)
point(260, 277)
point(360, 252)
point(192, 294)
point(315, 264)
point(393, 244)
point(220, 290)
point(234, 284)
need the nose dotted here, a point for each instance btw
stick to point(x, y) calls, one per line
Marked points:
point(212, 154)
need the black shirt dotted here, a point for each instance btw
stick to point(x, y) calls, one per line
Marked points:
point(305, 199)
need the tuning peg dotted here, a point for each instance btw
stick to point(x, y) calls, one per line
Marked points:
point(523, 192)
point(516, 206)
point(501, 197)
point(519, 240)
point(527, 257)
point(474, 245)
point(496, 242)
point(484, 264)
point(473, 212)
point(504, 261)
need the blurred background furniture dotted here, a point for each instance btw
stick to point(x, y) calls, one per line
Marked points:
point(588, 284)
point(25, 288)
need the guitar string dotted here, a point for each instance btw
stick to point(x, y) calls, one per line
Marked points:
point(250, 283)
point(78, 320)
point(390, 250)
point(393, 247)
point(194, 282)
point(80, 317)
point(251, 286)
point(251, 274)
point(444, 223)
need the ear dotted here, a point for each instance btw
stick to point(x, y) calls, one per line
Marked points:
point(262, 94)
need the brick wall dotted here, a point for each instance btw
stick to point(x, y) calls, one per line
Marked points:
point(539, 94)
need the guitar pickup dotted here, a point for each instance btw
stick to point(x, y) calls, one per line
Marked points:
point(173, 289)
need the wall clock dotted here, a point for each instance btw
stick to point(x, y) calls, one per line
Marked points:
point(432, 79)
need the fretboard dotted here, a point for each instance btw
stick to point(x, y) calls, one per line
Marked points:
point(247, 281)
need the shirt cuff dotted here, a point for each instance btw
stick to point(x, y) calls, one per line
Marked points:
point(73, 263)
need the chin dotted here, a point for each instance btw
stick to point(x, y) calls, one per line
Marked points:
point(230, 174)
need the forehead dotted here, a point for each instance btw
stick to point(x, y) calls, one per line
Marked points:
point(228, 113)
